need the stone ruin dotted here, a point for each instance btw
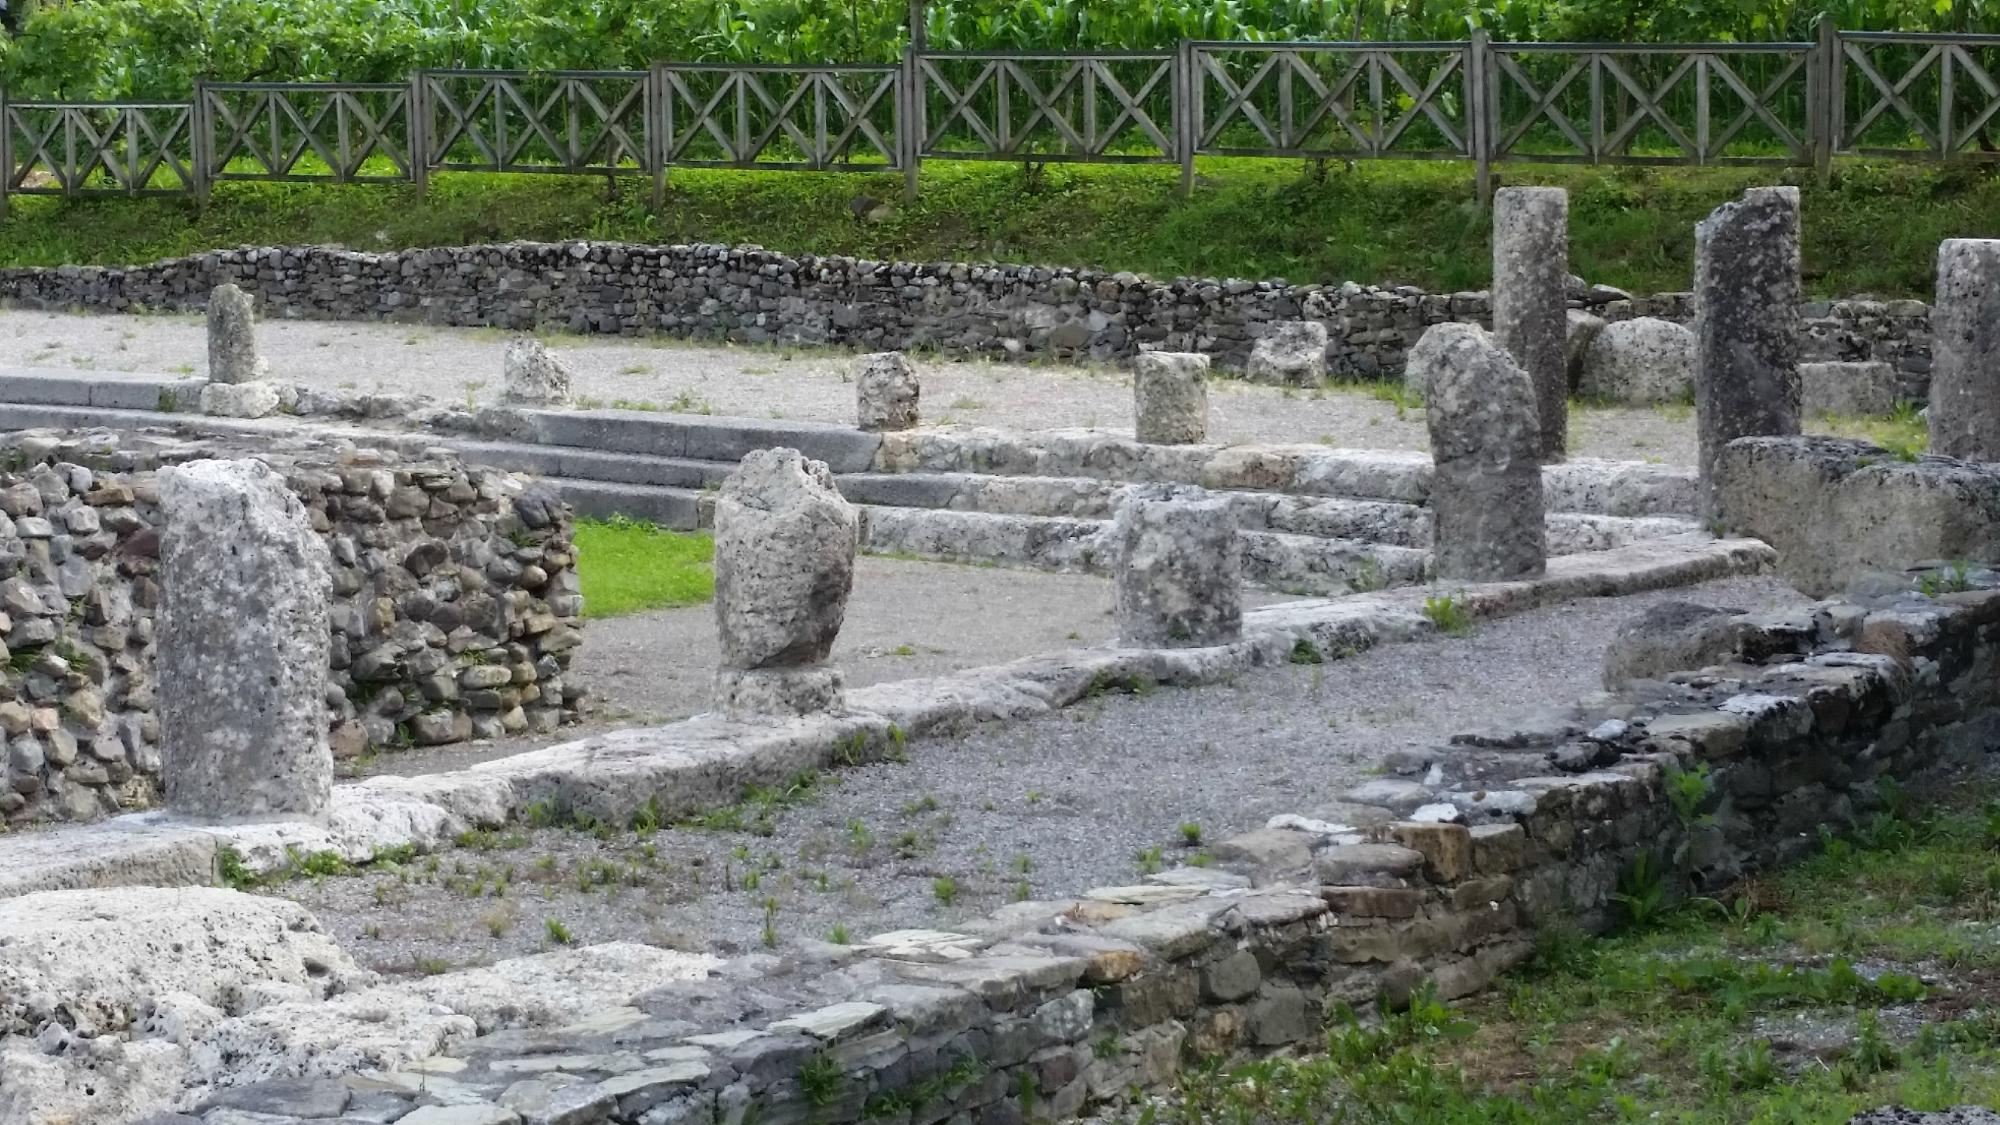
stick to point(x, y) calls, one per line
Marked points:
point(784, 563)
point(1170, 397)
point(531, 375)
point(1487, 443)
point(1180, 573)
point(886, 393)
point(1530, 307)
point(242, 645)
point(255, 622)
point(239, 384)
point(452, 609)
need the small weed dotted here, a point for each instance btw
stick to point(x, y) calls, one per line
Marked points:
point(820, 1080)
point(1449, 614)
point(432, 966)
point(839, 935)
point(558, 932)
point(944, 888)
point(1150, 861)
point(1305, 652)
point(1191, 834)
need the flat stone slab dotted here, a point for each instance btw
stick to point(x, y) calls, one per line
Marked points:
point(112, 390)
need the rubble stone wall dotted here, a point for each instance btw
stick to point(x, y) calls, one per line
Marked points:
point(750, 295)
point(455, 609)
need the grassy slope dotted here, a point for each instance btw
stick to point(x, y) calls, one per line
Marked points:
point(626, 566)
point(1875, 230)
point(1879, 955)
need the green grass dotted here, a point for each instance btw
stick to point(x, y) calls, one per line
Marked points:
point(626, 566)
point(1874, 230)
point(1887, 938)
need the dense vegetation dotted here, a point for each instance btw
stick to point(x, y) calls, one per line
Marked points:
point(158, 48)
point(1874, 230)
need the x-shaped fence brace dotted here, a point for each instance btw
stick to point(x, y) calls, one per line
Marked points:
point(1647, 103)
point(1003, 133)
point(72, 142)
point(579, 127)
point(1942, 61)
point(746, 120)
point(1334, 100)
point(265, 126)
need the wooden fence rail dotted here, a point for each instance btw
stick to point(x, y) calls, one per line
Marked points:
point(1873, 94)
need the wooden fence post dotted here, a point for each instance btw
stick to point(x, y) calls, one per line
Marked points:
point(1823, 97)
point(1481, 110)
point(659, 131)
point(419, 137)
point(910, 99)
point(1187, 112)
point(6, 155)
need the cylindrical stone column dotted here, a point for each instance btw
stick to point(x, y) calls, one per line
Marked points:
point(784, 563)
point(232, 336)
point(886, 393)
point(1170, 397)
point(1965, 351)
point(1180, 568)
point(1746, 324)
point(1530, 313)
point(241, 648)
point(1486, 489)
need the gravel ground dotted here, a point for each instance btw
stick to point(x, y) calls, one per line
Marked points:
point(1039, 808)
point(452, 364)
point(650, 668)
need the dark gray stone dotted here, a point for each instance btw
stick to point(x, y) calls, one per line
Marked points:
point(1747, 293)
point(1180, 567)
point(1669, 637)
point(1530, 271)
point(299, 1097)
point(1486, 443)
point(1965, 351)
point(232, 336)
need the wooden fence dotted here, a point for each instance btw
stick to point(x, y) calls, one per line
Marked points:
point(1901, 96)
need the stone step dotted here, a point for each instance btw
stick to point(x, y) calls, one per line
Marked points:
point(1300, 564)
point(698, 437)
point(677, 509)
point(1373, 521)
point(574, 463)
point(108, 390)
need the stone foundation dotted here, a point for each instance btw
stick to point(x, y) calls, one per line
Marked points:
point(454, 608)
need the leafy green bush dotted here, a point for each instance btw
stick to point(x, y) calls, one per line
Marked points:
point(158, 48)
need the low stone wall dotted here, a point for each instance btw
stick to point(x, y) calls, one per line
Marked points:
point(455, 610)
point(751, 295)
point(1044, 1009)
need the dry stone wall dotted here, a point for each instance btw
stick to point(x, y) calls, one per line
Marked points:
point(751, 295)
point(455, 609)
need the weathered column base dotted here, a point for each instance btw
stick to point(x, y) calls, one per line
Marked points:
point(753, 694)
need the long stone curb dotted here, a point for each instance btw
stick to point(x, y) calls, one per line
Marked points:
point(702, 763)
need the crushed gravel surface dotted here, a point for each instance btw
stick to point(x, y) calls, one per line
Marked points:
point(905, 619)
point(454, 364)
point(1039, 808)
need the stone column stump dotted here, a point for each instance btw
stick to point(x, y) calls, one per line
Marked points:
point(1486, 492)
point(1746, 325)
point(242, 646)
point(237, 387)
point(1530, 312)
point(531, 375)
point(886, 393)
point(1170, 397)
point(232, 337)
point(1290, 352)
point(1965, 351)
point(1180, 568)
point(784, 564)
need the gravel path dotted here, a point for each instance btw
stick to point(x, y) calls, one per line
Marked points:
point(1038, 808)
point(450, 364)
point(905, 619)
